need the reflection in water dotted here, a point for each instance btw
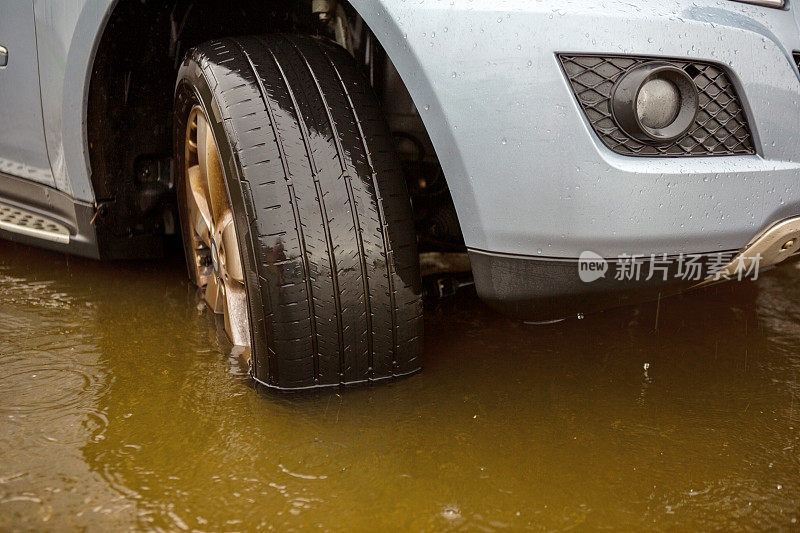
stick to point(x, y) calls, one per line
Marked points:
point(117, 410)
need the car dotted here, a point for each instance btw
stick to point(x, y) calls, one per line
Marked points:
point(317, 157)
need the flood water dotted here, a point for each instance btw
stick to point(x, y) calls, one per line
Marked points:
point(119, 409)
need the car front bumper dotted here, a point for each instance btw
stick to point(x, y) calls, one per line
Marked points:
point(534, 186)
point(528, 174)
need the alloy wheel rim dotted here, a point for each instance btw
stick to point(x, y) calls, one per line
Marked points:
point(216, 259)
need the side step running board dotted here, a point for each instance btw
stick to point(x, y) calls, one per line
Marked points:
point(19, 220)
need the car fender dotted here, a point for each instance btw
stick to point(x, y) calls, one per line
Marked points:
point(68, 34)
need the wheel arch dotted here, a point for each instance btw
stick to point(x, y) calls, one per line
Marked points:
point(93, 28)
point(386, 19)
point(75, 36)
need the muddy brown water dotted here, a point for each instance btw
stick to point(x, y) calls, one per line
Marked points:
point(119, 409)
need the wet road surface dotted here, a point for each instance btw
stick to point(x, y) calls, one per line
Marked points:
point(118, 409)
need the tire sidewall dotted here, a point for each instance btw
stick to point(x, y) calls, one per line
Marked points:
point(193, 89)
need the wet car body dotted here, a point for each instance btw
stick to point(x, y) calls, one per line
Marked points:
point(532, 179)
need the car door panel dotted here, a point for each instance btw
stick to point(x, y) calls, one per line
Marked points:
point(23, 151)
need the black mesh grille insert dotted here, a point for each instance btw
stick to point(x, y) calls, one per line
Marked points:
point(719, 129)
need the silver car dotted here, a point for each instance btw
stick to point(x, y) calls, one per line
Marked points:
point(315, 156)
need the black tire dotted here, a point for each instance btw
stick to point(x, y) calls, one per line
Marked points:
point(320, 205)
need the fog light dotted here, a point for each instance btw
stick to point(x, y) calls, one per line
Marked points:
point(655, 103)
point(658, 103)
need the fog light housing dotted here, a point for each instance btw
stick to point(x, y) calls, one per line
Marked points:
point(655, 103)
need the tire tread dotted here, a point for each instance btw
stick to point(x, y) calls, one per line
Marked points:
point(333, 240)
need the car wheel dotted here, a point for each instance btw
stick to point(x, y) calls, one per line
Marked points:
point(295, 216)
